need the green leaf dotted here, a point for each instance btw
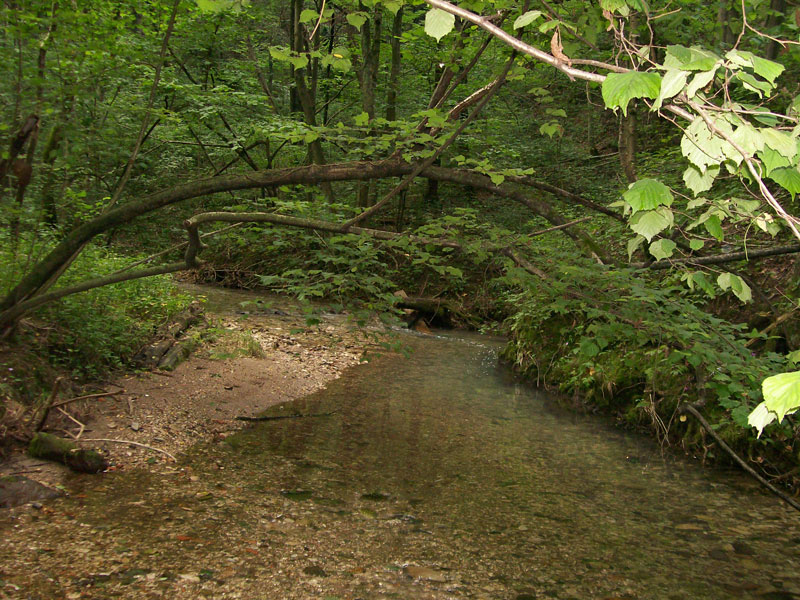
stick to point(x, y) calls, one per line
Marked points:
point(497, 178)
point(782, 393)
point(548, 26)
point(647, 194)
point(633, 244)
point(696, 244)
point(749, 82)
point(713, 226)
point(620, 88)
point(771, 159)
point(308, 15)
point(767, 69)
point(699, 182)
point(703, 148)
point(736, 284)
point(527, 18)
point(761, 417)
point(357, 19)
point(671, 84)
point(780, 141)
point(649, 223)
point(551, 129)
point(699, 279)
point(788, 179)
point(439, 23)
point(618, 6)
point(662, 249)
point(690, 59)
point(748, 138)
point(361, 119)
point(699, 81)
point(299, 62)
point(217, 6)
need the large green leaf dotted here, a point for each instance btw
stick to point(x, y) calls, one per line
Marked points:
point(782, 393)
point(690, 59)
point(439, 23)
point(662, 249)
point(671, 84)
point(767, 69)
point(761, 417)
point(780, 141)
point(649, 223)
point(788, 178)
point(620, 88)
point(699, 81)
point(704, 148)
point(647, 194)
point(734, 283)
point(357, 19)
point(713, 225)
point(698, 181)
point(772, 159)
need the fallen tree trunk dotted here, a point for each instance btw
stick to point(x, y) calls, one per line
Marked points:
point(51, 447)
point(154, 354)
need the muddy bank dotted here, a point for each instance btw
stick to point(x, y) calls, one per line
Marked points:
point(256, 354)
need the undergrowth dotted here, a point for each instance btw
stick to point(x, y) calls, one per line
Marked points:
point(619, 343)
point(94, 332)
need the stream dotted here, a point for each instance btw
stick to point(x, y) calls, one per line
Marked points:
point(435, 476)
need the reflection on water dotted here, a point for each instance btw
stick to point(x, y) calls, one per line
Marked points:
point(444, 462)
point(430, 478)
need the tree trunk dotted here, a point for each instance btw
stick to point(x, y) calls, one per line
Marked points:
point(394, 72)
point(370, 61)
point(724, 14)
point(627, 145)
point(776, 16)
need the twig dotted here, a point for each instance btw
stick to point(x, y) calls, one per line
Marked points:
point(132, 443)
point(49, 405)
point(558, 227)
point(721, 443)
point(278, 417)
point(86, 397)
point(74, 420)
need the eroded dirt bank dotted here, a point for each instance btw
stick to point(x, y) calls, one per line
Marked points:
point(255, 356)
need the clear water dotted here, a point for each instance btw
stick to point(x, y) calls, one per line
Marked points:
point(438, 476)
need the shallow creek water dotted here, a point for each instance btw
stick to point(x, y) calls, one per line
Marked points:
point(436, 476)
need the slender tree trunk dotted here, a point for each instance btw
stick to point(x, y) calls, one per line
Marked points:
point(777, 15)
point(304, 95)
point(627, 145)
point(370, 61)
point(724, 15)
point(394, 72)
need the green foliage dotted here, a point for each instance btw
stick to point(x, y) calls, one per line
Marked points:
point(99, 330)
point(616, 340)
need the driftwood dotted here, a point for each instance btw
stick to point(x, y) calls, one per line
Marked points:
point(279, 417)
point(51, 447)
point(171, 346)
point(179, 352)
